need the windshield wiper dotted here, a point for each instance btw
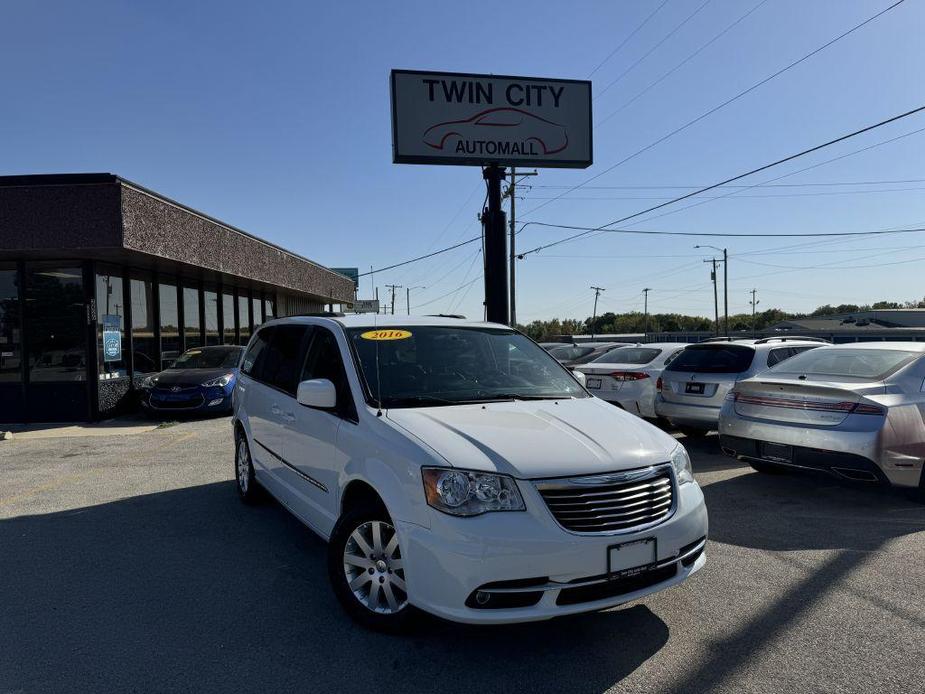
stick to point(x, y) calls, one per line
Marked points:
point(523, 396)
point(410, 400)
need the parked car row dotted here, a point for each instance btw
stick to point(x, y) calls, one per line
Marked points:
point(851, 411)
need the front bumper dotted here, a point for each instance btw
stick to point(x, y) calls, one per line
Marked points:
point(528, 553)
point(204, 400)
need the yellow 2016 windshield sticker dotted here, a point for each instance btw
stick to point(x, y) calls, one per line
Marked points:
point(386, 335)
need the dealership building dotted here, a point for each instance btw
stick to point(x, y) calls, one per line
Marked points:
point(103, 282)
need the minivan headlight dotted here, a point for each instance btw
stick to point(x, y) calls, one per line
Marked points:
point(681, 462)
point(470, 493)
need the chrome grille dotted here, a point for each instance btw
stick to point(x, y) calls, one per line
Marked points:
point(610, 503)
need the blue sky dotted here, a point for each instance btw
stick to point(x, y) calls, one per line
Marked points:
point(274, 117)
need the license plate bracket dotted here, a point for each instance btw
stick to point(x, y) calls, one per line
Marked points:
point(776, 452)
point(631, 558)
point(593, 383)
point(694, 388)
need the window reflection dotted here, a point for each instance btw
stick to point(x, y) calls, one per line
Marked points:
point(192, 332)
point(170, 324)
point(10, 327)
point(143, 318)
point(210, 299)
point(57, 316)
point(244, 319)
point(228, 330)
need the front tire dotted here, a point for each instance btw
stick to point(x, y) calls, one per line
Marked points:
point(245, 479)
point(367, 572)
point(694, 432)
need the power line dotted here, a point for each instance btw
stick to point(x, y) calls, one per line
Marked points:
point(626, 40)
point(653, 49)
point(717, 234)
point(826, 193)
point(422, 257)
point(723, 104)
point(757, 185)
point(682, 63)
point(759, 169)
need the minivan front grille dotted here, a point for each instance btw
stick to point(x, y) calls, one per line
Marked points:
point(617, 502)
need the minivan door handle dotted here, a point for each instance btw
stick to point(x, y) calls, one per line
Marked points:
point(288, 417)
point(275, 410)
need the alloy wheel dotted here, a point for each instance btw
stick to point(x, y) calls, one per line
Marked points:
point(243, 466)
point(374, 568)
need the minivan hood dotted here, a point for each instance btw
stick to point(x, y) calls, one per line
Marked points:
point(537, 439)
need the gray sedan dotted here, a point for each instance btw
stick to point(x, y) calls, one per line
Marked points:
point(852, 411)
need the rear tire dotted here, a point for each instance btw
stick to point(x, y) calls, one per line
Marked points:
point(245, 479)
point(367, 573)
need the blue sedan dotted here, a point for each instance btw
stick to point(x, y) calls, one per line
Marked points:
point(201, 380)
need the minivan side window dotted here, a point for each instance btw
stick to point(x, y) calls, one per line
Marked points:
point(250, 365)
point(283, 357)
point(324, 361)
point(776, 356)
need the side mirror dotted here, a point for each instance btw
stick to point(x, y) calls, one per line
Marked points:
point(318, 392)
point(581, 378)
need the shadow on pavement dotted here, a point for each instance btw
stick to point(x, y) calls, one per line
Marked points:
point(191, 590)
point(798, 512)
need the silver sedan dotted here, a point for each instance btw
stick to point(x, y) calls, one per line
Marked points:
point(852, 411)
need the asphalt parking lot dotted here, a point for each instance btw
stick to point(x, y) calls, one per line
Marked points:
point(128, 564)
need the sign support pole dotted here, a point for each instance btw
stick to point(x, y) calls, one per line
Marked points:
point(495, 233)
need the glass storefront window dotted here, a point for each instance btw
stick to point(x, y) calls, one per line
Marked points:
point(244, 319)
point(210, 299)
point(170, 324)
point(228, 330)
point(268, 310)
point(192, 329)
point(57, 319)
point(110, 325)
point(257, 309)
point(10, 327)
point(144, 349)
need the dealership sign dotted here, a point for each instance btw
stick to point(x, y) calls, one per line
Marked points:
point(366, 306)
point(453, 118)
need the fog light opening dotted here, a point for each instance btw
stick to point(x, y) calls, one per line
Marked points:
point(217, 401)
point(482, 598)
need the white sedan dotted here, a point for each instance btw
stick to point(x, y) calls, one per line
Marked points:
point(626, 376)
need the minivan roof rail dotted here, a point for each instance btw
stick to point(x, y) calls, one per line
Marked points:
point(792, 338)
point(321, 314)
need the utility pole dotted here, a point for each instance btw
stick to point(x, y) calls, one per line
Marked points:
point(715, 296)
point(725, 262)
point(646, 312)
point(512, 192)
point(493, 224)
point(597, 293)
point(393, 287)
point(754, 302)
point(408, 296)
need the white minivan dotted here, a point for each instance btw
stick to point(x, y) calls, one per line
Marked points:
point(455, 467)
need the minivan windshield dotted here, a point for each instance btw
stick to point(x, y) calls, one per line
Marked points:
point(872, 364)
point(425, 366)
point(627, 355)
point(208, 358)
point(713, 359)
